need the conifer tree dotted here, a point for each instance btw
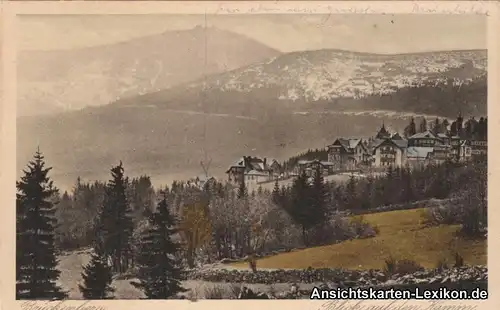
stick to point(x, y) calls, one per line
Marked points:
point(351, 195)
point(276, 194)
point(299, 204)
point(411, 129)
point(97, 276)
point(407, 193)
point(390, 187)
point(159, 273)
point(260, 190)
point(367, 195)
point(116, 226)
point(242, 191)
point(36, 264)
point(423, 125)
point(437, 126)
point(318, 197)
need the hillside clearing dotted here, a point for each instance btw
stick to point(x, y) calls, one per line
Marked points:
point(340, 178)
point(401, 235)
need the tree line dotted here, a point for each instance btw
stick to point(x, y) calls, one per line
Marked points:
point(158, 233)
point(310, 154)
point(309, 200)
point(446, 98)
point(471, 129)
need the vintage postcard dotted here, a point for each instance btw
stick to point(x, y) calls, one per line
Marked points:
point(329, 153)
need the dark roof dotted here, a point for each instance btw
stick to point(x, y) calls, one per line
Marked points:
point(305, 162)
point(348, 143)
point(250, 163)
point(418, 152)
point(399, 143)
point(382, 133)
point(396, 136)
point(425, 134)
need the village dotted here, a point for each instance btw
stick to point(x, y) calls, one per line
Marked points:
point(458, 141)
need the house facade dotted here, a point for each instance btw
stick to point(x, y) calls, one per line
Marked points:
point(276, 169)
point(460, 149)
point(311, 166)
point(479, 147)
point(424, 139)
point(251, 169)
point(254, 177)
point(389, 152)
point(236, 173)
point(418, 156)
point(202, 181)
point(427, 147)
point(347, 154)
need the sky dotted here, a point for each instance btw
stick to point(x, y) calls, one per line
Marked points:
point(387, 34)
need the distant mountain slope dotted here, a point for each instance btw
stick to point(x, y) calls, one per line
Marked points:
point(52, 81)
point(299, 79)
point(327, 74)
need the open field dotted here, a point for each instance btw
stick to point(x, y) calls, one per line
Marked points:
point(401, 234)
point(342, 177)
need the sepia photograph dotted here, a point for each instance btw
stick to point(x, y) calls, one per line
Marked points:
point(250, 156)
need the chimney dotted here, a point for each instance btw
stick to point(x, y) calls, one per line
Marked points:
point(265, 163)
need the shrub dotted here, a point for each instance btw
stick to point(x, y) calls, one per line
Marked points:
point(390, 265)
point(361, 228)
point(459, 260)
point(442, 265)
point(447, 214)
point(473, 203)
point(222, 291)
point(214, 292)
point(340, 228)
point(235, 290)
point(402, 266)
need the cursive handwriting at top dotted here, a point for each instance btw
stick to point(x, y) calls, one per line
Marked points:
point(418, 8)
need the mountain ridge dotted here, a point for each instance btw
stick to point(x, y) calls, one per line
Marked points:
point(462, 67)
point(52, 79)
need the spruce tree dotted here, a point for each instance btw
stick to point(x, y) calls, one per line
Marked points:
point(116, 226)
point(260, 190)
point(97, 276)
point(390, 187)
point(411, 129)
point(300, 203)
point(368, 195)
point(36, 264)
point(159, 273)
point(276, 194)
point(242, 191)
point(407, 193)
point(437, 126)
point(351, 193)
point(423, 125)
point(318, 197)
